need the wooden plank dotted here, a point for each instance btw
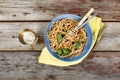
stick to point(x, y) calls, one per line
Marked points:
point(29, 10)
point(25, 66)
point(9, 32)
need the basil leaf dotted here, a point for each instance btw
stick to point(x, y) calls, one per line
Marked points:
point(59, 52)
point(59, 37)
point(76, 45)
point(65, 51)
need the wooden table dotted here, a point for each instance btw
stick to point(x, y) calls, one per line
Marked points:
point(19, 62)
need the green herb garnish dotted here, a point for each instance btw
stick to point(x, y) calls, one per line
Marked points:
point(59, 37)
point(76, 45)
point(66, 51)
point(59, 51)
point(63, 51)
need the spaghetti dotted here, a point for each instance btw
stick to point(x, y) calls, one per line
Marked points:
point(62, 43)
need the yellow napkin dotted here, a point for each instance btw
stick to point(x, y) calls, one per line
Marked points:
point(97, 27)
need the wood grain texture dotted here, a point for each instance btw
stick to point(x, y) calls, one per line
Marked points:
point(18, 10)
point(25, 66)
point(15, 15)
point(9, 32)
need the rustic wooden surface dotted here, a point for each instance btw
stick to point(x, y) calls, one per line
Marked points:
point(29, 10)
point(20, 62)
point(24, 66)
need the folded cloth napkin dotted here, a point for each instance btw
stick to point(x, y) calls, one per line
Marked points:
point(97, 27)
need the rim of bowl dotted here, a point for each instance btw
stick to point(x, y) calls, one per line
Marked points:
point(88, 33)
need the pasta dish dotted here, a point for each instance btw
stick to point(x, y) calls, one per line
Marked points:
point(62, 43)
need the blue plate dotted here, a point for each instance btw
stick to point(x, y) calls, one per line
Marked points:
point(88, 43)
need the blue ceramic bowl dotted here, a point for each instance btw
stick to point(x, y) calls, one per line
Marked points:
point(88, 43)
